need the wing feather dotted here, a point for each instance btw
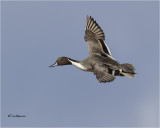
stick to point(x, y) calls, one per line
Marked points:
point(94, 36)
point(102, 75)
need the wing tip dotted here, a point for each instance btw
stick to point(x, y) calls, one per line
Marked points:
point(92, 26)
point(105, 79)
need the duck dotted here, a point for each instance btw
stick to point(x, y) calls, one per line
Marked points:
point(100, 61)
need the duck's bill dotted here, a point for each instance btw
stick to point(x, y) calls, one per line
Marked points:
point(53, 65)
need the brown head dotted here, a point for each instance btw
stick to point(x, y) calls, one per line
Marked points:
point(61, 61)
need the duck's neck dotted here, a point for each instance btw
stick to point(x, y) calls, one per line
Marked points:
point(77, 64)
point(73, 60)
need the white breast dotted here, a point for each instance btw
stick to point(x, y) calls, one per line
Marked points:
point(78, 65)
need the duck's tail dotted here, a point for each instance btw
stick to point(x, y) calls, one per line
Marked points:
point(128, 70)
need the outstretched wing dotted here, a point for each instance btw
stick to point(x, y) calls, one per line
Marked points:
point(94, 36)
point(103, 74)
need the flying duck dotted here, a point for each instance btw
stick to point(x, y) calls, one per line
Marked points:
point(100, 60)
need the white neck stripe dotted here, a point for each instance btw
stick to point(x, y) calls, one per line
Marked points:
point(78, 65)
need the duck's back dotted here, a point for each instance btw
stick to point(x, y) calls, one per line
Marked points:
point(101, 59)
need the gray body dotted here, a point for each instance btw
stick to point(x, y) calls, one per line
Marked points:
point(97, 59)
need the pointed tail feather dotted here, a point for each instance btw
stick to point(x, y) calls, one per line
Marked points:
point(130, 75)
point(128, 70)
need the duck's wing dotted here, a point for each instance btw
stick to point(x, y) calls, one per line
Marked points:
point(95, 38)
point(102, 74)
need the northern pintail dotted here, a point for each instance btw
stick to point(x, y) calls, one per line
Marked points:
point(100, 60)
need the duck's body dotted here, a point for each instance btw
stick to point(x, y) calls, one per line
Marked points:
point(100, 60)
point(95, 59)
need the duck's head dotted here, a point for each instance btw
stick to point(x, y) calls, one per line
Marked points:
point(61, 61)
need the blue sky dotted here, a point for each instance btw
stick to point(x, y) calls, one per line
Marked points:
point(35, 34)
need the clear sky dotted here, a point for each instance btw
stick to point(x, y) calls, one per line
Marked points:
point(35, 34)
